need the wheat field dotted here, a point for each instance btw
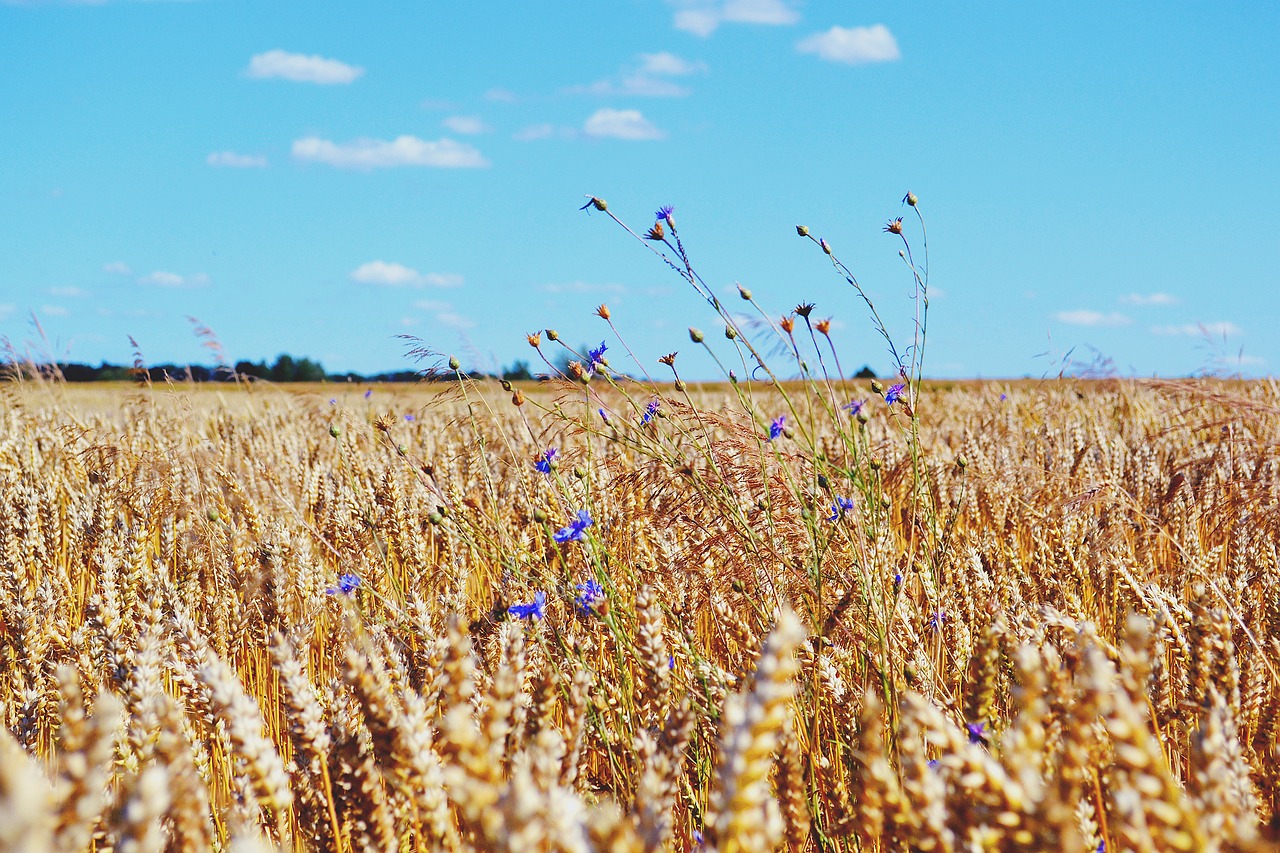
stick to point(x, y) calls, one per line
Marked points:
point(1028, 616)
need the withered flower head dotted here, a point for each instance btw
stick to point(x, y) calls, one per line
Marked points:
point(384, 423)
point(669, 359)
point(788, 324)
point(823, 326)
point(518, 397)
point(804, 308)
point(893, 226)
point(576, 370)
point(656, 233)
point(535, 339)
point(603, 312)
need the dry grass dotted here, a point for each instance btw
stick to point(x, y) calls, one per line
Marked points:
point(1053, 623)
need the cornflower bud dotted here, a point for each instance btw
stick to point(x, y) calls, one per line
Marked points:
point(553, 335)
point(802, 230)
point(579, 472)
point(730, 333)
point(826, 247)
point(539, 515)
point(910, 198)
point(744, 293)
point(962, 462)
point(506, 386)
point(454, 364)
point(876, 387)
point(334, 431)
point(434, 517)
point(695, 335)
point(679, 385)
point(598, 203)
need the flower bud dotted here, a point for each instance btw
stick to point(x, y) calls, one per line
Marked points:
point(517, 398)
point(680, 386)
point(876, 387)
point(553, 335)
point(434, 517)
point(539, 516)
point(579, 472)
point(454, 364)
point(730, 333)
point(506, 386)
point(962, 462)
point(826, 247)
point(744, 293)
point(802, 230)
point(599, 204)
point(911, 198)
point(875, 463)
point(334, 431)
point(695, 335)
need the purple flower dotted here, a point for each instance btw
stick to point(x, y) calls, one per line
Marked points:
point(543, 462)
point(410, 418)
point(347, 584)
point(897, 580)
point(776, 428)
point(368, 394)
point(853, 407)
point(596, 356)
point(604, 416)
point(977, 732)
point(535, 609)
point(333, 401)
point(590, 596)
point(894, 394)
point(936, 620)
point(650, 410)
point(576, 528)
point(839, 508)
point(664, 212)
point(1004, 397)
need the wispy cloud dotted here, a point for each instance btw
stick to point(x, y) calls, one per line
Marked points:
point(117, 268)
point(702, 18)
point(1218, 329)
point(1149, 299)
point(54, 311)
point(444, 314)
point(7, 308)
point(162, 278)
point(302, 68)
point(68, 292)
point(369, 154)
point(650, 78)
point(853, 45)
point(545, 130)
point(232, 160)
point(391, 274)
point(455, 320)
point(620, 124)
point(1085, 317)
point(467, 125)
point(501, 96)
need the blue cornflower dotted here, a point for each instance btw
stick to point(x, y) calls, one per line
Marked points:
point(535, 609)
point(596, 356)
point(776, 428)
point(853, 407)
point(590, 596)
point(664, 212)
point(368, 394)
point(347, 584)
point(410, 418)
point(576, 528)
point(544, 460)
point(1004, 397)
point(604, 416)
point(839, 508)
point(897, 580)
point(936, 620)
point(977, 732)
point(333, 401)
point(650, 410)
point(894, 393)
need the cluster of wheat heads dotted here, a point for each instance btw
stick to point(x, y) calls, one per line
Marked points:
point(258, 620)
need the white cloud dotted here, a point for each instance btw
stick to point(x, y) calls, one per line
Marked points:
point(232, 160)
point(466, 124)
point(669, 64)
point(853, 45)
point(54, 311)
point(1149, 299)
point(379, 154)
point(455, 320)
point(501, 96)
point(117, 268)
point(1218, 329)
point(301, 68)
point(1085, 317)
point(533, 132)
point(432, 305)
point(7, 308)
point(702, 19)
point(620, 124)
point(68, 292)
point(162, 278)
point(391, 274)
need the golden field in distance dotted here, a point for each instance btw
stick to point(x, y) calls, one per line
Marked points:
point(984, 616)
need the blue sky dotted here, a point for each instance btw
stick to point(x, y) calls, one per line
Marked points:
point(318, 178)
